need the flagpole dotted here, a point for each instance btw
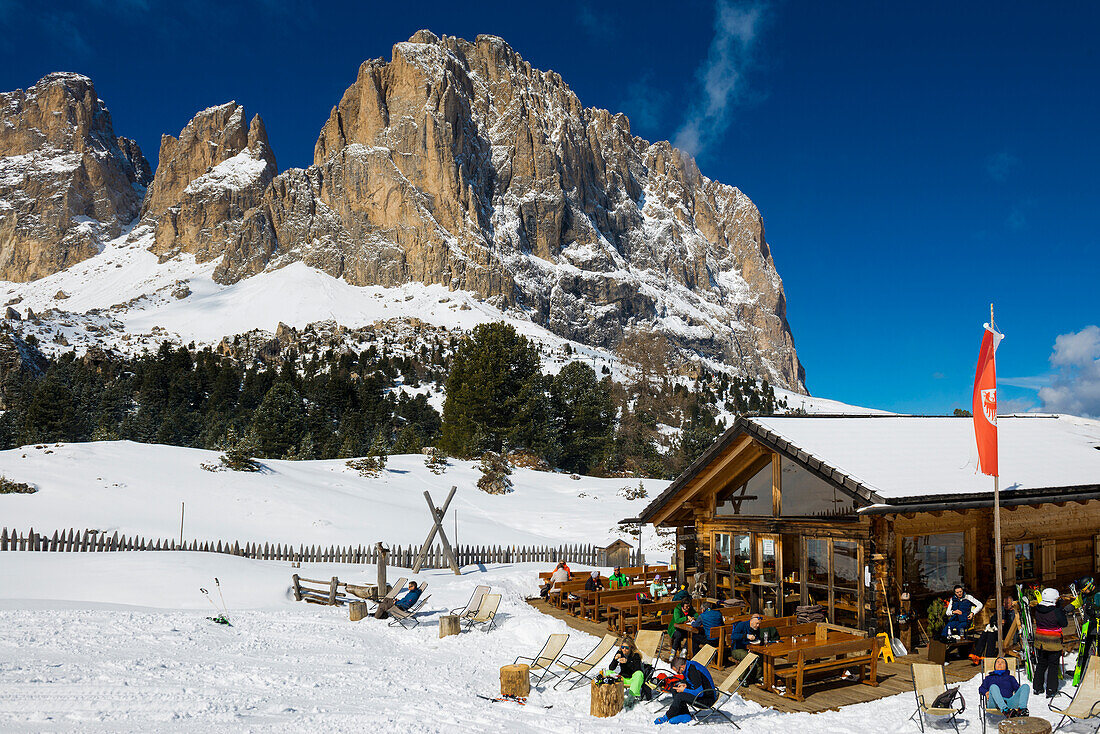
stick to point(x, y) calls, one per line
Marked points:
point(997, 550)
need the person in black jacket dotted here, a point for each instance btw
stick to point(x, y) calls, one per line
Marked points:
point(628, 662)
point(1049, 618)
point(594, 582)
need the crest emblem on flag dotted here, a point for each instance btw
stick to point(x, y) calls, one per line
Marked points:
point(989, 405)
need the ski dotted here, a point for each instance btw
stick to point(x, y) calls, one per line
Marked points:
point(514, 699)
point(1084, 600)
point(1027, 636)
point(222, 616)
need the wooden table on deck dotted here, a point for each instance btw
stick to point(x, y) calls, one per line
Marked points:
point(624, 609)
point(784, 648)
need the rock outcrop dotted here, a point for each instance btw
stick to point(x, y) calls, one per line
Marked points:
point(458, 163)
point(67, 182)
point(207, 181)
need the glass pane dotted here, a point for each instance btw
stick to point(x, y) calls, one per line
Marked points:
point(932, 564)
point(721, 547)
point(1025, 561)
point(767, 558)
point(817, 561)
point(845, 566)
point(754, 497)
point(742, 554)
point(807, 495)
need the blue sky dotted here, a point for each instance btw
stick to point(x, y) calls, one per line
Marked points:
point(912, 163)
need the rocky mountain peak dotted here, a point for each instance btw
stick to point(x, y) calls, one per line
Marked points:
point(207, 180)
point(67, 182)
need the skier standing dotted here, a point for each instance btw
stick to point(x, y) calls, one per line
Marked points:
point(1049, 618)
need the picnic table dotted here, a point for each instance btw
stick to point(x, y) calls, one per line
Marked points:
point(619, 612)
point(789, 646)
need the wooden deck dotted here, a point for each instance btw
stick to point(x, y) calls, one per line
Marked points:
point(893, 678)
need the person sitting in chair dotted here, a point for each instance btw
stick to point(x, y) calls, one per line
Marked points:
point(960, 610)
point(1004, 691)
point(629, 663)
point(559, 576)
point(618, 579)
point(404, 603)
point(657, 589)
point(594, 582)
point(698, 687)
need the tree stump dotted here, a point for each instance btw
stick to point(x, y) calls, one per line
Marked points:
point(607, 700)
point(448, 625)
point(515, 680)
point(357, 610)
point(1025, 725)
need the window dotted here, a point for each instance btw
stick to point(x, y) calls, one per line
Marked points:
point(817, 562)
point(754, 497)
point(932, 564)
point(807, 495)
point(1025, 562)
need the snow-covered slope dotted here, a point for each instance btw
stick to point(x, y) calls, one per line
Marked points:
point(137, 489)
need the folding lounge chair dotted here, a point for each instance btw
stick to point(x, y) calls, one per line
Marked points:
point(407, 617)
point(582, 667)
point(486, 613)
point(649, 644)
point(1085, 703)
point(727, 688)
point(929, 681)
point(988, 709)
point(471, 606)
point(396, 589)
point(546, 658)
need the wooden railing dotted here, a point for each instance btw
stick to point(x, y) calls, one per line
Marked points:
point(92, 541)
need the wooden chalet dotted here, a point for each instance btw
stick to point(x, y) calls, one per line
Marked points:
point(837, 510)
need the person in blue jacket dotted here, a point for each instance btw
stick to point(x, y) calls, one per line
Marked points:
point(698, 687)
point(1004, 691)
point(405, 602)
point(709, 618)
point(743, 634)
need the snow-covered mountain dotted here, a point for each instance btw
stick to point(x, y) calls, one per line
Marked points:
point(453, 178)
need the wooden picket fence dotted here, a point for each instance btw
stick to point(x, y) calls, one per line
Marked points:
point(92, 541)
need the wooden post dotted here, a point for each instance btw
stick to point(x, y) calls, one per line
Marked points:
point(515, 680)
point(297, 588)
point(607, 700)
point(382, 553)
point(357, 610)
point(332, 590)
point(448, 625)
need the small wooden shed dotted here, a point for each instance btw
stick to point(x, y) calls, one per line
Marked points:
point(616, 554)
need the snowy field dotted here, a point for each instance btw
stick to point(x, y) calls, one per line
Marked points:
point(137, 489)
point(119, 643)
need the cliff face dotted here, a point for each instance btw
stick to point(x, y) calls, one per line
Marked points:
point(67, 182)
point(457, 163)
point(207, 181)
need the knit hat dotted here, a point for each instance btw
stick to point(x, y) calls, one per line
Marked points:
point(595, 574)
point(1050, 596)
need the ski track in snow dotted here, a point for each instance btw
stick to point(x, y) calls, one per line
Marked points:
point(136, 654)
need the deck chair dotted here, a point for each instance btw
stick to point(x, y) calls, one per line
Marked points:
point(988, 709)
point(727, 688)
point(407, 618)
point(394, 591)
point(546, 658)
point(486, 613)
point(1085, 703)
point(583, 667)
point(929, 681)
point(471, 606)
point(649, 644)
point(704, 657)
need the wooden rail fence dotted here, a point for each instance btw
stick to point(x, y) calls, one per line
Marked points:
point(92, 541)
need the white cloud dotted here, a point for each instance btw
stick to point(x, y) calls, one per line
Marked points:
point(735, 29)
point(1075, 387)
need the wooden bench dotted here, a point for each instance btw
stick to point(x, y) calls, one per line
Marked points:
point(821, 660)
point(559, 595)
point(720, 635)
point(595, 603)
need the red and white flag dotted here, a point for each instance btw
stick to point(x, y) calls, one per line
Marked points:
point(985, 402)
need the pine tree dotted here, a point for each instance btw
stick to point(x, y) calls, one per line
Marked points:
point(279, 421)
point(585, 413)
point(239, 449)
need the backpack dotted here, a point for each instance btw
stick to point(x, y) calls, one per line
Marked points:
point(945, 699)
point(667, 683)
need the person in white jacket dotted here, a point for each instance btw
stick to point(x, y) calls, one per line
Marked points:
point(960, 610)
point(657, 588)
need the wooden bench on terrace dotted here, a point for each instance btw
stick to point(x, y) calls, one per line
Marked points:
point(560, 594)
point(821, 661)
point(596, 604)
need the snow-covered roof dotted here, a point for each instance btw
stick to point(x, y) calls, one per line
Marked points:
point(890, 460)
point(917, 456)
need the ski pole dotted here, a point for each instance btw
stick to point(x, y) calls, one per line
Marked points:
point(226, 608)
point(207, 595)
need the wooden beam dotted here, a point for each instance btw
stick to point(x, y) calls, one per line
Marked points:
point(777, 494)
point(714, 469)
